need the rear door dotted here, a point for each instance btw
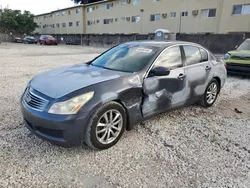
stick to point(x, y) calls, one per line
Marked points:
point(198, 69)
point(162, 93)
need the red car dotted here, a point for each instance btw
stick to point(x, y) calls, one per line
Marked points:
point(47, 39)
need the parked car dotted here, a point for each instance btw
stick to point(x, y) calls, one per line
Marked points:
point(47, 39)
point(95, 102)
point(30, 40)
point(238, 61)
point(17, 40)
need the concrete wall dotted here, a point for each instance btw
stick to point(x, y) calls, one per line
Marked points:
point(234, 23)
point(189, 24)
point(5, 37)
point(217, 43)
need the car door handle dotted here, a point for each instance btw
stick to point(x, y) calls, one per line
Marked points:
point(181, 76)
point(208, 68)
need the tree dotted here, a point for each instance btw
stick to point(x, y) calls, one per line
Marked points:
point(85, 1)
point(17, 22)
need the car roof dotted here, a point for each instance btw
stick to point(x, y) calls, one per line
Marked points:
point(160, 44)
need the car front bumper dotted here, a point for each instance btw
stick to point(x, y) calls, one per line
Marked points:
point(66, 131)
point(238, 69)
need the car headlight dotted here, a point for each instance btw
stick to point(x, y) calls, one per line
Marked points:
point(227, 56)
point(71, 106)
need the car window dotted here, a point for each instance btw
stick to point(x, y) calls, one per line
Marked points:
point(192, 54)
point(245, 45)
point(170, 58)
point(50, 37)
point(204, 55)
point(126, 58)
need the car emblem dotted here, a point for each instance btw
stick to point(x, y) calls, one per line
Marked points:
point(28, 99)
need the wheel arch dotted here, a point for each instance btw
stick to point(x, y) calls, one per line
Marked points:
point(219, 82)
point(128, 126)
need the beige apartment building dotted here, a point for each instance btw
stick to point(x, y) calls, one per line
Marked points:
point(64, 21)
point(146, 16)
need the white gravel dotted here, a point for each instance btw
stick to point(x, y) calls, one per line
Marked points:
point(190, 147)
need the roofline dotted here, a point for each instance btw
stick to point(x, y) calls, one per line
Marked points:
point(99, 2)
point(85, 5)
point(59, 10)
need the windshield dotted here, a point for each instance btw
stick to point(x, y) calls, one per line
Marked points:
point(245, 45)
point(126, 58)
point(50, 37)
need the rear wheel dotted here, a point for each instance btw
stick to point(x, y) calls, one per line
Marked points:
point(211, 93)
point(106, 126)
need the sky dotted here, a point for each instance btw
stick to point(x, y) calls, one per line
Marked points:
point(36, 7)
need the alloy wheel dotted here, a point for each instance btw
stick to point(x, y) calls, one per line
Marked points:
point(109, 126)
point(212, 92)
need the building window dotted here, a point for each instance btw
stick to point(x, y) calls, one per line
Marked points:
point(53, 25)
point(156, 0)
point(136, 2)
point(58, 25)
point(70, 24)
point(124, 2)
point(184, 14)
point(117, 3)
point(208, 13)
point(135, 19)
point(63, 24)
point(172, 14)
point(69, 12)
point(96, 7)
point(63, 13)
point(89, 9)
point(89, 22)
point(106, 21)
point(97, 21)
point(241, 9)
point(116, 19)
point(57, 14)
point(77, 10)
point(155, 17)
point(107, 6)
point(123, 19)
point(78, 23)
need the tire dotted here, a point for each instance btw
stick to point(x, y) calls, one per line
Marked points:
point(214, 88)
point(91, 136)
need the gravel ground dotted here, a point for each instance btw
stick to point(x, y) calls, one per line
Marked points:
point(190, 147)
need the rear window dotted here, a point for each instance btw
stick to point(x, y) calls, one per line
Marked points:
point(50, 37)
point(192, 54)
point(204, 55)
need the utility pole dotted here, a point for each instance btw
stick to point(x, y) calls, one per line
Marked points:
point(180, 22)
point(142, 10)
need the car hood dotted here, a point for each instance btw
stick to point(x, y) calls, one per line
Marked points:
point(239, 56)
point(62, 81)
point(245, 53)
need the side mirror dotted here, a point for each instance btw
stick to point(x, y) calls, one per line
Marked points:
point(236, 47)
point(159, 71)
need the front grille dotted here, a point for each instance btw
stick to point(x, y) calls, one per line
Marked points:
point(34, 101)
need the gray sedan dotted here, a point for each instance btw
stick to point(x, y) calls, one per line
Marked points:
point(94, 102)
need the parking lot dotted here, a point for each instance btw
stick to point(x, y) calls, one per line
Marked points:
point(190, 147)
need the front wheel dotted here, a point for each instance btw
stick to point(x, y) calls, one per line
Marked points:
point(106, 126)
point(211, 93)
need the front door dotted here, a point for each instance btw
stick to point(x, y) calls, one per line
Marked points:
point(162, 93)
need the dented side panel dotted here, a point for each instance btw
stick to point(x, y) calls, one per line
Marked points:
point(164, 92)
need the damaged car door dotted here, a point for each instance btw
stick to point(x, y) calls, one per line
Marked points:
point(164, 85)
